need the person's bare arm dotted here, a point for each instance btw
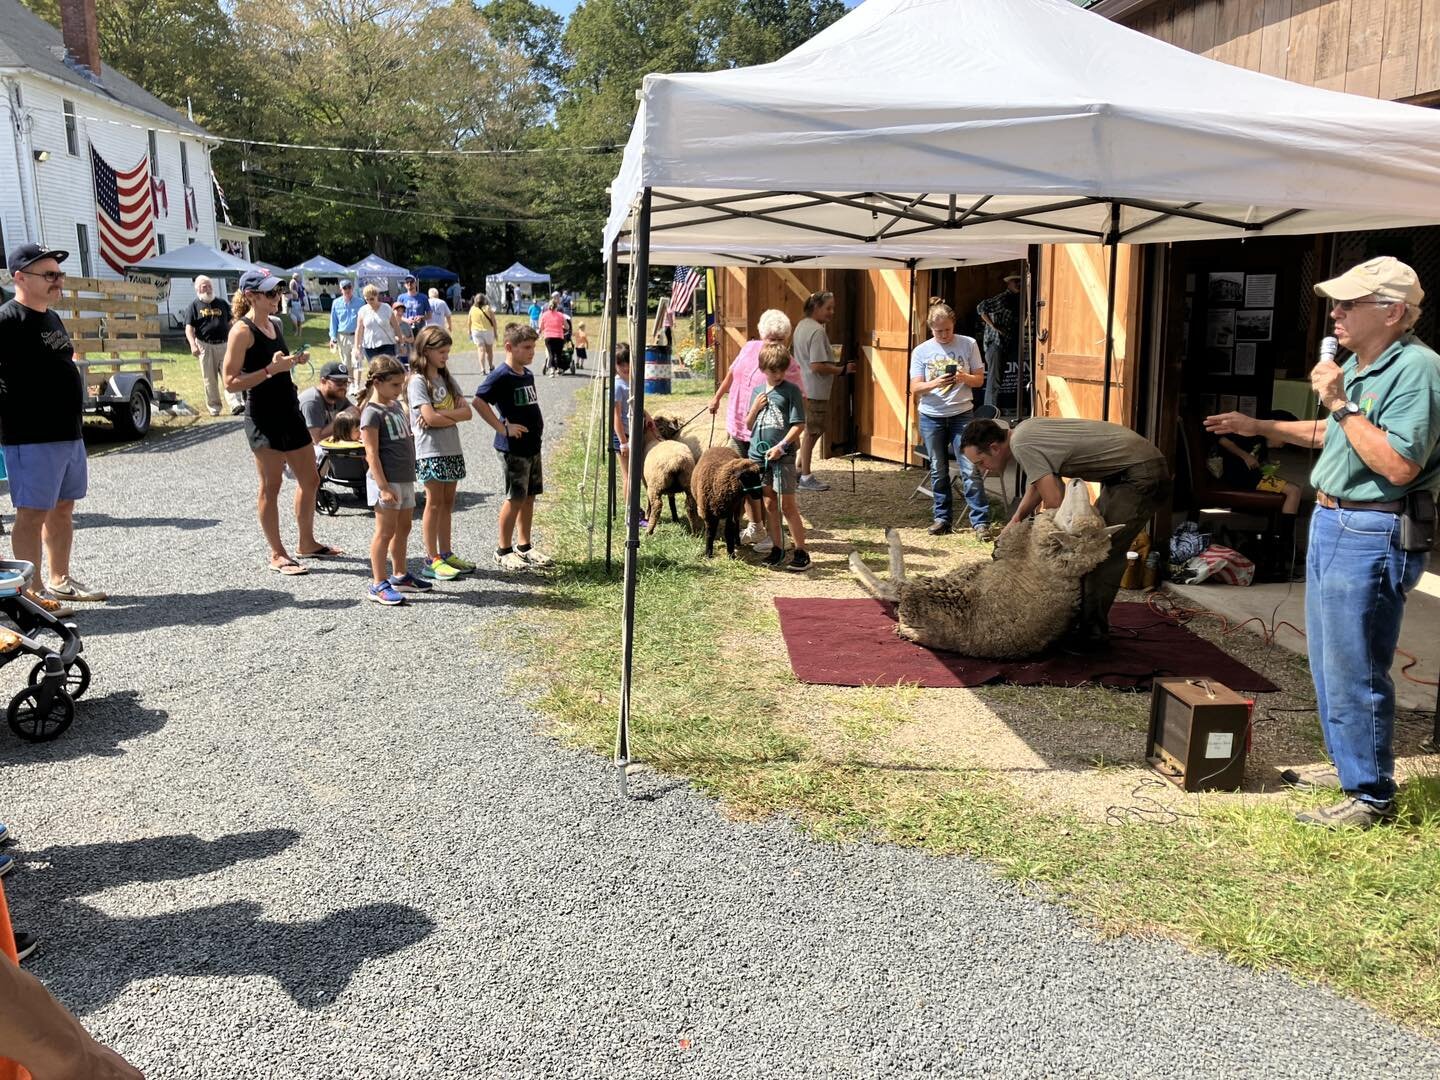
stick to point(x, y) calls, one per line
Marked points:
point(502, 427)
point(192, 339)
point(792, 438)
point(38, 1032)
point(1307, 433)
point(1045, 492)
point(755, 407)
point(722, 389)
point(1367, 440)
point(370, 436)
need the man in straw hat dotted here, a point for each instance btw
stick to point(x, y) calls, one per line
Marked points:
point(1378, 467)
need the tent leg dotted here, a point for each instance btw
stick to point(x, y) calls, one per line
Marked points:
point(613, 288)
point(637, 463)
point(909, 348)
point(1113, 239)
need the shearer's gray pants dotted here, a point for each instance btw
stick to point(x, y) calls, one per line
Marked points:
point(1130, 499)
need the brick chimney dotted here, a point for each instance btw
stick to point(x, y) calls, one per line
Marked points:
point(81, 31)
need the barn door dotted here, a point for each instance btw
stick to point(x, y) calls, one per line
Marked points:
point(1071, 291)
point(884, 420)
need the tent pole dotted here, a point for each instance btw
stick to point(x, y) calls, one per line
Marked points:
point(612, 288)
point(1113, 239)
point(637, 465)
point(909, 348)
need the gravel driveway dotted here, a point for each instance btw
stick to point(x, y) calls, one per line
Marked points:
point(295, 835)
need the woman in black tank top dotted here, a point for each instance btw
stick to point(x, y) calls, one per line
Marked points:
point(258, 365)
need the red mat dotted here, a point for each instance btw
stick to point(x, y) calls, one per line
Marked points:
point(853, 643)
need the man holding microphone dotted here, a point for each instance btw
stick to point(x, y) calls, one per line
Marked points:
point(1375, 481)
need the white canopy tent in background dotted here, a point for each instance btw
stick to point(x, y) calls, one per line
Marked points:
point(381, 272)
point(920, 125)
point(516, 274)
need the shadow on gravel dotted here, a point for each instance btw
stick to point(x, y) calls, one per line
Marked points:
point(89, 958)
point(80, 869)
point(130, 614)
point(105, 521)
point(162, 439)
point(101, 724)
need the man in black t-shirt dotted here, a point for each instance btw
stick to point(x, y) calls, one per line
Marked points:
point(42, 403)
point(207, 327)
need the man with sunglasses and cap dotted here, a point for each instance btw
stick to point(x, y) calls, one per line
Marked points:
point(42, 406)
point(1379, 462)
point(343, 314)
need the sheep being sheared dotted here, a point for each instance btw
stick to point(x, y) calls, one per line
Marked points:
point(669, 464)
point(1015, 605)
point(721, 483)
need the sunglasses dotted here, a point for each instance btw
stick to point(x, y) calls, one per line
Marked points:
point(1349, 305)
point(272, 294)
point(52, 276)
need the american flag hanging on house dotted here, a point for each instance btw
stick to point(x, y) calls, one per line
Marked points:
point(192, 210)
point(124, 212)
point(686, 280)
point(162, 197)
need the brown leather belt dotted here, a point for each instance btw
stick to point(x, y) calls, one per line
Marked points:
point(1332, 503)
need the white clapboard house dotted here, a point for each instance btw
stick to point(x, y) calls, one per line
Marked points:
point(91, 162)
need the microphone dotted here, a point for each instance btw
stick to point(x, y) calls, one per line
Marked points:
point(1328, 348)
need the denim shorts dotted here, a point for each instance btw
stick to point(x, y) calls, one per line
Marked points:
point(43, 474)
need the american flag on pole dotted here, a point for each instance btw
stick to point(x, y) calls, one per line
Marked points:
point(124, 212)
point(686, 280)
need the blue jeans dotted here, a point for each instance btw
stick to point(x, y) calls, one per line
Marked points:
point(941, 435)
point(1357, 577)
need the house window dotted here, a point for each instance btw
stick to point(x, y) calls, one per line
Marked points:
point(82, 241)
point(160, 239)
point(154, 155)
point(72, 134)
point(184, 166)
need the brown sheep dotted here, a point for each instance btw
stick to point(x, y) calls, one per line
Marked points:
point(1013, 606)
point(669, 464)
point(721, 483)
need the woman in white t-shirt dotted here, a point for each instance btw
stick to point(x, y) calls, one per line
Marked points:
point(376, 326)
point(944, 372)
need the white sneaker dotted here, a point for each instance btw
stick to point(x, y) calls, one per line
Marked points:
point(511, 560)
point(764, 546)
point(535, 558)
point(750, 534)
point(809, 483)
point(72, 589)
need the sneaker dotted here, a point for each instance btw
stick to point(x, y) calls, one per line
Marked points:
point(73, 590)
point(237, 410)
point(7, 863)
point(764, 546)
point(537, 559)
point(776, 557)
point(439, 570)
point(214, 412)
point(800, 561)
point(409, 583)
point(511, 560)
point(985, 533)
point(809, 483)
point(385, 594)
point(54, 607)
point(465, 566)
point(751, 534)
point(25, 944)
point(1322, 779)
point(1349, 813)
point(5, 836)
point(939, 527)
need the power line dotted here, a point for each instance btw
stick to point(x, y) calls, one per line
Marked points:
point(396, 210)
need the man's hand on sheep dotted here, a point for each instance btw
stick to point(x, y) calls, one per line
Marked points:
point(1232, 423)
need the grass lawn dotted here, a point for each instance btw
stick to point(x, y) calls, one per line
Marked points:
point(715, 701)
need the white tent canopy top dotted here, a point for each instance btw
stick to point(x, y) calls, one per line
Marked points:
point(192, 260)
point(927, 122)
point(517, 274)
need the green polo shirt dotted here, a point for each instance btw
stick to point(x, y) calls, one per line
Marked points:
point(1400, 394)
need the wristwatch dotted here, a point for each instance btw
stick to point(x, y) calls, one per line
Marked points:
point(1344, 409)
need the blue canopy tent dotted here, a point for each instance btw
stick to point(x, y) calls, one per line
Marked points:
point(520, 277)
point(436, 274)
point(382, 272)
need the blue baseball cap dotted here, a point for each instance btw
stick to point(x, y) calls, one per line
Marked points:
point(27, 254)
point(258, 281)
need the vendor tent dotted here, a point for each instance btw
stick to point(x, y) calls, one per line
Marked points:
point(1033, 121)
point(319, 267)
point(382, 272)
point(191, 260)
point(435, 273)
point(522, 279)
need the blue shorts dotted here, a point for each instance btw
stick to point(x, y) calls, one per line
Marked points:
point(43, 474)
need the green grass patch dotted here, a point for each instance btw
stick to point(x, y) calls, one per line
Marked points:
point(1356, 910)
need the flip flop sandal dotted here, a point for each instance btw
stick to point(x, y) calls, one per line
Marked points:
point(325, 552)
point(289, 568)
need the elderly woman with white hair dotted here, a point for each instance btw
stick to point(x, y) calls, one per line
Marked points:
point(740, 381)
point(207, 328)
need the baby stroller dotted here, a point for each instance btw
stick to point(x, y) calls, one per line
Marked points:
point(45, 708)
point(342, 468)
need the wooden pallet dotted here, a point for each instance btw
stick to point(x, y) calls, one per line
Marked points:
point(110, 318)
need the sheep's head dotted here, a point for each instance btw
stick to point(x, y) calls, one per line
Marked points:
point(667, 428)
point(1074, 538)
point(747, 475)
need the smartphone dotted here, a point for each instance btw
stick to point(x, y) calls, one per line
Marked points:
point(951, 369)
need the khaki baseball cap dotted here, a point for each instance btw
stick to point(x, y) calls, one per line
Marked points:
point(1385, 277)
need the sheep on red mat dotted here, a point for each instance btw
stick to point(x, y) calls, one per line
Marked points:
point(669, 464)
point(1015, 605)
point(721, 482)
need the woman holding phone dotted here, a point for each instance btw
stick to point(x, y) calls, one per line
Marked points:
point(944, 373)
point(258, 365)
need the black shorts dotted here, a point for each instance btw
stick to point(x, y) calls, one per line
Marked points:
point(523, 476)
point(284, 435)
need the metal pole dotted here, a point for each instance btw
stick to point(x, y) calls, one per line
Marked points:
point(1113, 239)
point(613, 287)
point(909, 348)
point(637, 465)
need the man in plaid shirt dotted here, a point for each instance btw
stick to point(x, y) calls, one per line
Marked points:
point(1001, 316)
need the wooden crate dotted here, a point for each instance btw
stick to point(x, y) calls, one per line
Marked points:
point(107, 318)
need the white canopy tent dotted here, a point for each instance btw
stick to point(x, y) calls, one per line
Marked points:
point(519, 277)
point(935, 123)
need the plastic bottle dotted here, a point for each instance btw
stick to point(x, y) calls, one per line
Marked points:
point(1133, 576)
point(1152, 570)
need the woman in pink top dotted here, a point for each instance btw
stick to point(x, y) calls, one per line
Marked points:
point(740, 382)
point(552, 330)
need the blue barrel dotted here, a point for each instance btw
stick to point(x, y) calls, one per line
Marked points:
point(657, 369)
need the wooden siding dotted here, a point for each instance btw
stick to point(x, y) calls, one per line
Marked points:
point(1377, 48)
